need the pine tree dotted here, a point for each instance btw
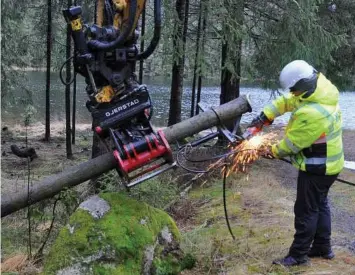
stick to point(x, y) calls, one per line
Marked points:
point(291, 30)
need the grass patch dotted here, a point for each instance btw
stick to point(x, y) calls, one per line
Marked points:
point(157, 192)
point(260, 209)
point(344, 195)
point(12, 237)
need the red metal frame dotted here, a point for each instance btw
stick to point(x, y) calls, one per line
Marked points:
point(98, 130)
point(161, 149)
point(169, 153)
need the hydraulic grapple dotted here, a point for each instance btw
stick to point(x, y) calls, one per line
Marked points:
point(106, 53)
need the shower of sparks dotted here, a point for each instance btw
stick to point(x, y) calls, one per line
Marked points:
point(244, 154)
point(249, 151)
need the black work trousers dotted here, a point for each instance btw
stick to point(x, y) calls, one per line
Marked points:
point(312, 214)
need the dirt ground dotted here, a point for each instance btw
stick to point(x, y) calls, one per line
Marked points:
point(261, 205)
point(51, 155)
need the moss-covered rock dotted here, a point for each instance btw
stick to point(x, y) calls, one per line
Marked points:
point(113, 234)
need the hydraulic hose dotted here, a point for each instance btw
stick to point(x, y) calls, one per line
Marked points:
point(225, 200)
point(121, 39)
point(109, 13)
point(157, 32)
point(61, 72)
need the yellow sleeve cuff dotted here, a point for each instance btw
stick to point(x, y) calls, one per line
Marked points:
point(270, 116)
point(274, 151)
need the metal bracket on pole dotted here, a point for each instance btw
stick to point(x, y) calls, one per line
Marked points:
point(222, 130)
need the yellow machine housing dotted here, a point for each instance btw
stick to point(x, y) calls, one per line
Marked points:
point(121, 8)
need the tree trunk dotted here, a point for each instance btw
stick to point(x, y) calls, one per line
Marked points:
point(202, 51)
point(179, 40)
point(230, 84)
point(74, 111)
point(97, 150)
point(193, 93)
point(73, 176)
point(141, 62)
point(74, 100)
point(67, 94)
point(48, 74)
point(231, 53)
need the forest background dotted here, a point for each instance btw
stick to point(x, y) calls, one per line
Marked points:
point(231, 42)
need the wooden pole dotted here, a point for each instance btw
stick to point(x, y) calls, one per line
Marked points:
point(73, 176)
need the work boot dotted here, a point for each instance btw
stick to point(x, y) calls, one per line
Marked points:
point(320, 252)
point(290, 261)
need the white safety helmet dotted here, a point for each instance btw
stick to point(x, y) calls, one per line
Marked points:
point(294, 71)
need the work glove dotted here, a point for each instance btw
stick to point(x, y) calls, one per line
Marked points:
point(260, 121)
point(267, 153)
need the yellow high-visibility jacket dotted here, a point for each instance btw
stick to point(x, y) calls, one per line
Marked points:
point(313, 136)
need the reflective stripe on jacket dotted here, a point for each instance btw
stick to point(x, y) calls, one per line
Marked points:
point(313, 137)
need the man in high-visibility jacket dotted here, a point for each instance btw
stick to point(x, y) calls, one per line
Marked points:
point(313, 141)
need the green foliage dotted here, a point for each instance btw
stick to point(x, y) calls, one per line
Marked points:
point(13, 238)
point(28, 114)
point(167, 266)
point(70, 200)
point(109, 182)
point(295, 33)
point(13, 45)
point(342, 70)
point(158, 191)
point(188, 262)
point(272, 33)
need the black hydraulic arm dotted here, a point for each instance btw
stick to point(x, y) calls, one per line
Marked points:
point(73, 16)
point(121, 39)
point(157, 32)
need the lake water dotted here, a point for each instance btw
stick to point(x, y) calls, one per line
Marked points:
point(160, 92)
